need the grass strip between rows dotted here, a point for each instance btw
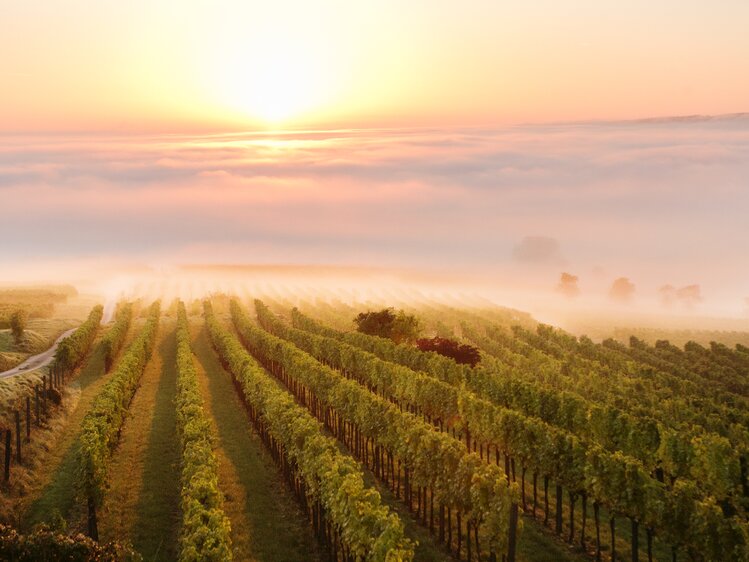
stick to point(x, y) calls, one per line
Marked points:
point(332, 482)
point(101, 426)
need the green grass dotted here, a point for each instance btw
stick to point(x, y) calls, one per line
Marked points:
point(142, 504)
point(427, 549)
point(661, 551)
point(47, 330)
point(30, 341)
point(155, 532)
point(10, 359)
point(535, 543)
point(267, 523)
point(58, 495)
point(538, 545)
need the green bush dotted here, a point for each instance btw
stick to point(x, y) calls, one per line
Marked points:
point(18, 321)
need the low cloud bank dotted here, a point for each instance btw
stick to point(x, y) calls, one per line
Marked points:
point(657, 202)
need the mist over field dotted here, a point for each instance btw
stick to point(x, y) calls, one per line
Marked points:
point(374, 281)
point(505, 210)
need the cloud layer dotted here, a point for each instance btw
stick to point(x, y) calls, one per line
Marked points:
point(668, 199)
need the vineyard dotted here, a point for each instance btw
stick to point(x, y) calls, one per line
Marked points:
point(271, 429)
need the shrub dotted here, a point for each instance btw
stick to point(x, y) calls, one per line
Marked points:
point(462, 353)
point(386, 323)
point(18, 321)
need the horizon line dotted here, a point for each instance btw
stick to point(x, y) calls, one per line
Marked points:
point(658, 119)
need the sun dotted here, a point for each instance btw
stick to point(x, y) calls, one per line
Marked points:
point(273, 80)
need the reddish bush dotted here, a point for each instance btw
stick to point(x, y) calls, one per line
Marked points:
point(462, 353)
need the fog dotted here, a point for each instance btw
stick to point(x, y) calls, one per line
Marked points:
point(496, 214)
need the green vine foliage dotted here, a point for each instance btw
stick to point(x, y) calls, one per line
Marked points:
point(575, 460)
point(205, 533)
point(100, 427)
point(443, 367)
point(435, 459)
point(641, 436)
point(662, 420)
point(73, 349)
point(112, 341)
point(368, 528)
point(681, 451)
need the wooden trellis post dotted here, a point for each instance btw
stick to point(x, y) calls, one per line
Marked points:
point(18, 436)
point(7, 454)
point(28, 419)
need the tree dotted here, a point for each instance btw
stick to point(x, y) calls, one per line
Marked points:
point(668, 295)
point(568, 285)
point(405, 328)
point(462, 353)
point(386, 323)
point(622, 290)
point(18, 324)
point(378, 323)
point(689, 295)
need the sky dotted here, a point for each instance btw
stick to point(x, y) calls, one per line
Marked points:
point(187, 65)
point(514, 140)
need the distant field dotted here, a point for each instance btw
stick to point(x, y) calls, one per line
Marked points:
point(50, 310)
point(635, 448)
point(38, 302)
point(681, 337)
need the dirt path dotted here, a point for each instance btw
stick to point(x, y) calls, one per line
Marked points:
point(142, 504)
point(267, 523)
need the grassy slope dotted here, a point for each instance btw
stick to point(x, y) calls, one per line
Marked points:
point(267, 524)
point(42, 332)
point(53, 490)
point(142, 504)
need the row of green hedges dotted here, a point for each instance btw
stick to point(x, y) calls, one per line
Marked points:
point(101, 426)
point(205, 527)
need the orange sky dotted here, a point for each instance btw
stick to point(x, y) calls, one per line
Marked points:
point(158, 65)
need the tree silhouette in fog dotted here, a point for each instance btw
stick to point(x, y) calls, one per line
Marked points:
point(568, 285)
point(622, 290)
point(667, 294)
point(688, 296)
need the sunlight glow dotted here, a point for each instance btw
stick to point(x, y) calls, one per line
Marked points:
point(273, 79)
